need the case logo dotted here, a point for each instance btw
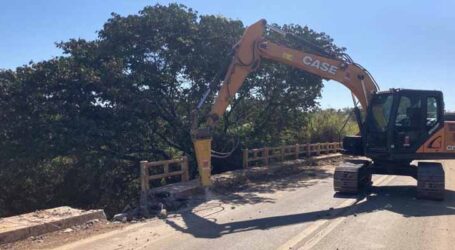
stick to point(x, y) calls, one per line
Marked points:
point(308, 60)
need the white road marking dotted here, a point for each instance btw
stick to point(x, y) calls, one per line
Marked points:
point(294, 241)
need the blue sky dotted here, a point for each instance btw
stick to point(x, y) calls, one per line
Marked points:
point(405, 44)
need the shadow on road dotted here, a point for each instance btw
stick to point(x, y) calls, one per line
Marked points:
point(397, 199)
point(247, 189)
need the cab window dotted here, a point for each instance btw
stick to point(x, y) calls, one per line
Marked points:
point(381, 107)
point(432, 116)
point(409, 112)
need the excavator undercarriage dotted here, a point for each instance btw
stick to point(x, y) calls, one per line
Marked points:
point(354, 176)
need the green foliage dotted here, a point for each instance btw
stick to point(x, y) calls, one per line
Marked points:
point(329, 125)
point(75, 127)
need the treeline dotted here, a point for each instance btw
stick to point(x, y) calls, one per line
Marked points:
point(75, 127)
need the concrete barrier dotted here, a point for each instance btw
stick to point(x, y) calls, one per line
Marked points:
point(44, 221)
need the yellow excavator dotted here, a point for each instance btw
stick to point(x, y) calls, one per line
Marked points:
point(398, 126)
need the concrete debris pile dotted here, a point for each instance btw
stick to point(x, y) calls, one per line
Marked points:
point(155, 204)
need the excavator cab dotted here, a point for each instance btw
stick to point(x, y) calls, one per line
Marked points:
point(401, 126)
point(400, 121)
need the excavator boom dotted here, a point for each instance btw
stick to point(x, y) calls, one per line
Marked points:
point(253, 47)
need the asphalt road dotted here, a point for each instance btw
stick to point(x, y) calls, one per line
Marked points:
point(298, 213)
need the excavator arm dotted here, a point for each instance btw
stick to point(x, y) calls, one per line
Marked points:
point(253, 47)
point(248, 53)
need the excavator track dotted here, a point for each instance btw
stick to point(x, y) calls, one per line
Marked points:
point(430, 181)
point(351, 176)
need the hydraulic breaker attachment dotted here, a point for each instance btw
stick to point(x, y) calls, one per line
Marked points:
point(203, 146)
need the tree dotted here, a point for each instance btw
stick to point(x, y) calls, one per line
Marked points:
point(75, 127)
